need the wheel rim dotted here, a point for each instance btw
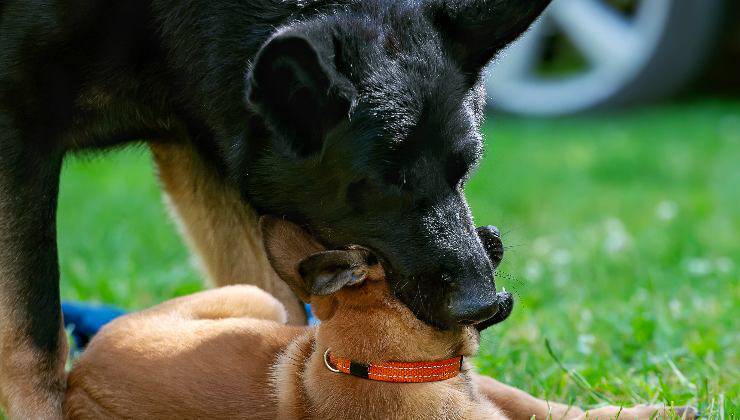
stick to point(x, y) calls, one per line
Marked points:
point(614, 46)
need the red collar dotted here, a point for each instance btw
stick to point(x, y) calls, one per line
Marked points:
point(400, 372)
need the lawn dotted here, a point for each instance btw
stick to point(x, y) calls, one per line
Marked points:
point(622, 237)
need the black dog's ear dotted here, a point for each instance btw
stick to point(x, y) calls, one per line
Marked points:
point(297, 91)
point(475, 30)
point(327, 272)
point(286, 245)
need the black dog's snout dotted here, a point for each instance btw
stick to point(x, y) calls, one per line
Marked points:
point(491, 239)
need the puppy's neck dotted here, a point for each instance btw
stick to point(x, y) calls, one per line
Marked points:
point(367, 325)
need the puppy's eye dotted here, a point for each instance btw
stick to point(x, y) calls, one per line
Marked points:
point(372, 260)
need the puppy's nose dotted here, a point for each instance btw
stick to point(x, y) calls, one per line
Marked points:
point(491, 239)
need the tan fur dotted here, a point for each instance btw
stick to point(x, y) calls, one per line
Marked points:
point(33, 382)
point(367, 325)
point(187, 358)
point(227, 353)
point(167, 363)
point(520, 405)
point(218, 225)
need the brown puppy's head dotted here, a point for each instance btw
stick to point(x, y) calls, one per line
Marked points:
point(319, 276)
point(349, 293)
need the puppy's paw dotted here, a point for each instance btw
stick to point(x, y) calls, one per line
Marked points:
point(643, 412)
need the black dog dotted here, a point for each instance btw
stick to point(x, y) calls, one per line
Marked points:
point(357, 119)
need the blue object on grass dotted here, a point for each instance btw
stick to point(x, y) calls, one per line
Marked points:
point(312, 320)
point(85, 320)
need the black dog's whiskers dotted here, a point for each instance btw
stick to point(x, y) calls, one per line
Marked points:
point(509, 246)
point(513, 285)
point(510, 277)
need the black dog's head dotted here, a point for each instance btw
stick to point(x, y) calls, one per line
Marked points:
point(372, 113)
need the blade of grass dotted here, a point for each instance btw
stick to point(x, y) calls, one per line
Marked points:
point(577, 378)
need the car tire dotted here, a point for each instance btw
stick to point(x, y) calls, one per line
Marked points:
point(670, 54)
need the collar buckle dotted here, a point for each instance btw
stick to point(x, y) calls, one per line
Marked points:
point(328, 365)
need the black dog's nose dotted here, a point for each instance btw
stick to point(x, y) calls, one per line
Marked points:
point(491, 239)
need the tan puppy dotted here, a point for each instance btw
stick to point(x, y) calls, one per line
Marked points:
point(227, 353)
point(196, 357)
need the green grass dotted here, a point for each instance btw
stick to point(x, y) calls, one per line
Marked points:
point(623, 237)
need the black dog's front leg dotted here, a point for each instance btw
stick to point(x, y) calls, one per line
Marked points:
point(33, 347)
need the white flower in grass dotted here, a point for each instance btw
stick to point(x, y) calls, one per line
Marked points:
point(653, 380)
point(561, 257)
point(698, 266)
point(675, 307)
point(561, 279)
point(617, 238)
point(666, 210)
point(724, 265)
point(586, 343)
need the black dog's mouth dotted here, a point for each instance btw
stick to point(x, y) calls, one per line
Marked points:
point(429, 303)
point(505, 307)
point(423, 306)
point(504, 301)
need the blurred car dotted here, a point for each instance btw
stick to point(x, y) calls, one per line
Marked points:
point(595, 54)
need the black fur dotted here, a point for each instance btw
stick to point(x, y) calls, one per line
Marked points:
point(358, 119)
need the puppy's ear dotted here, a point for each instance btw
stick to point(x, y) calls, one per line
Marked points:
point(295, 86)
point(327, 272)
point(475, 30)
point(286, 245)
